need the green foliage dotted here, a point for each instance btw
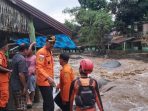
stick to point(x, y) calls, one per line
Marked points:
point(73, 26)
point(128, 12)
point(93, 25)
point(93, 19)
point(72, 11)
point(93, 4)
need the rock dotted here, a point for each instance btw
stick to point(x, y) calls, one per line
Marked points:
point(102, 82)
point(111, 64)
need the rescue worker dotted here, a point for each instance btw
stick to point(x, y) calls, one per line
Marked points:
point(4, 77)
point(66, 77)
point(45, 73)
point(85, 89)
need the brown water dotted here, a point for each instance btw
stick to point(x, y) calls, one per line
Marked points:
point(128, 86)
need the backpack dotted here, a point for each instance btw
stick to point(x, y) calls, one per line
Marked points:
point(85, 97)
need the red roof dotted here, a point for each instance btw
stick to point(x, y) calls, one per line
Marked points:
point(39, 15)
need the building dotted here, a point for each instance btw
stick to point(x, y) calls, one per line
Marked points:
point(19, 19)
point(16, 17)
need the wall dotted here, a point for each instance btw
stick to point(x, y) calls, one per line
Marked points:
point(11, 19)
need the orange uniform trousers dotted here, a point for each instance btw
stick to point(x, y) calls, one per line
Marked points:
point(4, 82)
point(4, 94)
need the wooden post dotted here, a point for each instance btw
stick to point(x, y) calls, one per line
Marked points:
point(108, 46)
point(124, 46)
point(33, 39)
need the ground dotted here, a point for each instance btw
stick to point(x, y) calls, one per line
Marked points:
point(125, 87)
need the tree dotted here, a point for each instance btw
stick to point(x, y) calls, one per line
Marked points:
point(94, 24)
point(128, 12)
point(93, 4)
point(143, 4)
point(73, 26)
point(93, 19)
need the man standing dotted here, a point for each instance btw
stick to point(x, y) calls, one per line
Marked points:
point(85, 89)
point(45, 73)
point(19, 78)
point(66, 77)
point(4, 77)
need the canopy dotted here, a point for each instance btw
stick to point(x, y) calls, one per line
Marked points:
point(62, 41)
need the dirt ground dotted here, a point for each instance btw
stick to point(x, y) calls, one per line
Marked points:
point(125, 88)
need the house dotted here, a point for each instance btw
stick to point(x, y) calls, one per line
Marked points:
point(16, 17)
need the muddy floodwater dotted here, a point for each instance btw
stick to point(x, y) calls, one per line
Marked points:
point(123, 88)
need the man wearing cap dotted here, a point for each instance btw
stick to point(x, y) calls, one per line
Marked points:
point(45, 73)
point(66, 77)
point(4, 77)
point(19, 78)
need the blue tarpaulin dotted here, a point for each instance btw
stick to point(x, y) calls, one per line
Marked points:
point(62, 41)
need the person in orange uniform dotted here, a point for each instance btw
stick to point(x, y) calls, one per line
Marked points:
point(66, 77)
point(85, 89)
point(45, 73)
point(4, 77)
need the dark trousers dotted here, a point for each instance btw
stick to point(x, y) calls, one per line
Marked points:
point(58, 101)
point(3, 109)
point(47, 95)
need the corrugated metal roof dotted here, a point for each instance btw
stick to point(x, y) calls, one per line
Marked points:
point(42, 16)
point(121, 40)
point(144, 41)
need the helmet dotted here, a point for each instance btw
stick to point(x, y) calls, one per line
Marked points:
point(86, 66)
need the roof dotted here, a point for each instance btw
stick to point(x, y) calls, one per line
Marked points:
point(143, 41)
point(120, 40)
point(42, 21)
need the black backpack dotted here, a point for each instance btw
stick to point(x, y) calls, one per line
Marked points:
point(85, 97)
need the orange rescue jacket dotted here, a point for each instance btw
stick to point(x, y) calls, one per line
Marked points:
point(66, 77)
point(44, 66)
point(4, 77)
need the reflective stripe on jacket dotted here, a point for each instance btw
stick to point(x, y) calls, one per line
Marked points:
point(44, 66)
